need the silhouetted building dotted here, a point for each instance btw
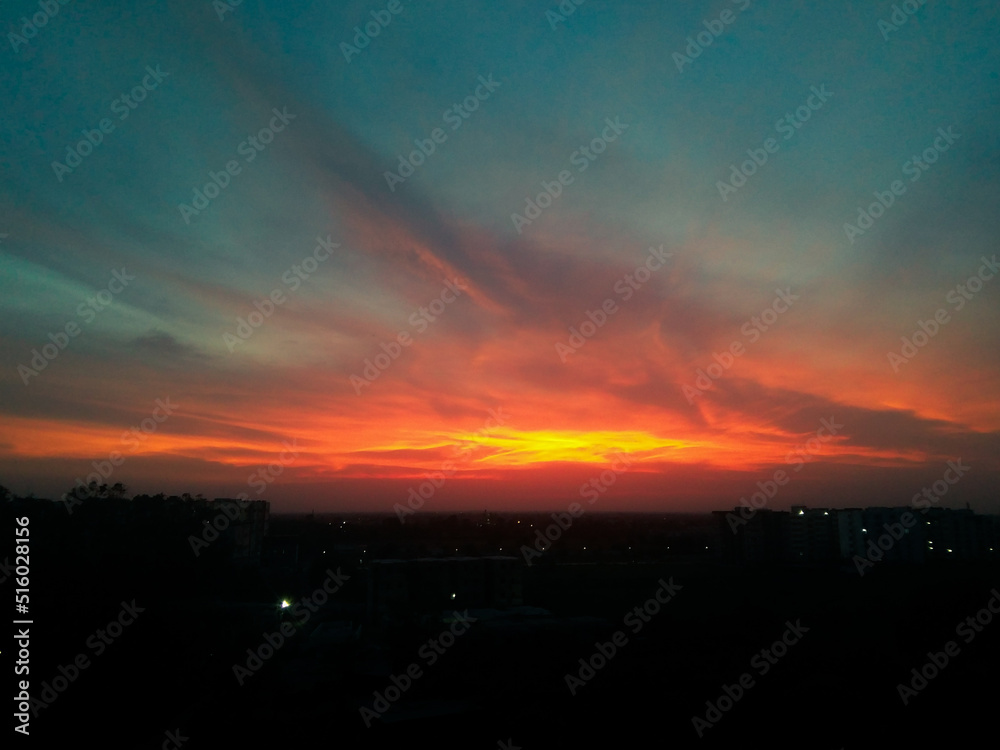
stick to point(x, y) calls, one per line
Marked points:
point(886, 524)
point(851, 532)
point(813, 534)
point(951, 534)
point(828, 534)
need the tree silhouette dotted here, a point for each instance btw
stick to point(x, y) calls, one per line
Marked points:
point(95, 491)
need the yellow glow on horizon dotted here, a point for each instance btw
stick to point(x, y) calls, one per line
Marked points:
point(508, 447)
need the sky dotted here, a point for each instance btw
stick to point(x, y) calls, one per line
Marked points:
point(503, 255)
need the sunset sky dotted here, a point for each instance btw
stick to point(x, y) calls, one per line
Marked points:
point(123, 290)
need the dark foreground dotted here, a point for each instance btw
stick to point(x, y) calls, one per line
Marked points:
point(787, 655)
